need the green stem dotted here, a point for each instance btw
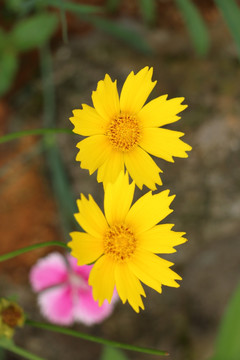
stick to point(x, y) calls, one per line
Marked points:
point(14, 253)
point(63, 22)
point(19, 351)
point(96, 339)
point(59, 177)
point(19, 134)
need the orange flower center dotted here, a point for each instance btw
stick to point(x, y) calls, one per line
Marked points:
point(124, 132)
point(119, 242)
point(11, 316)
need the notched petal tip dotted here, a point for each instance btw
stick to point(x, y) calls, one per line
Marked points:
point(71, 234)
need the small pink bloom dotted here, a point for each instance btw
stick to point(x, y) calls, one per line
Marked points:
point(64, 293)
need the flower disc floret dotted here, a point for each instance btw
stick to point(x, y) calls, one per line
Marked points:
point(124, 132)
point(119, 242)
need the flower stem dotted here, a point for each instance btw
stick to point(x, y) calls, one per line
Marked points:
point(96, 339)
point(19, 134)
point(10, 346)
point(14, 253)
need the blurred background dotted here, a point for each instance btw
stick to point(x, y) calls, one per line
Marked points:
point(52, 54)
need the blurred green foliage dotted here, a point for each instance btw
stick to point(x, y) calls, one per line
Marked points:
point(26, 35)
point(34, 25)
point(231, 13)
point(228, 339)
point(195, 24)
point(148, 10)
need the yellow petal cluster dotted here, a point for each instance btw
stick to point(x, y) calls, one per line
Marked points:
point(124, 242)
point(121, 131)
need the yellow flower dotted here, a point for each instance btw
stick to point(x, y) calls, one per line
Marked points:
point(122, 131)
point(11, 316)
point(124, 242)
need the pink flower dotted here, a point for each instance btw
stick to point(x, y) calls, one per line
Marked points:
point(65, 295)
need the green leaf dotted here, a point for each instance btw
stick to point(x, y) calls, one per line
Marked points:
point(8, 69)
point(110, 353)
point(195, 24)
point(129, 36)
point(34, 31)
point(148, 10)
point(231, 13)
point(73, 7)
point(13, 5)
point(228, 339)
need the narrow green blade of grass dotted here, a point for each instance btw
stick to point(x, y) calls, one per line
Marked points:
point(110, 353)
point(148, 10)
point(228, 339)
point(195, 24)
point(231, 13)
point(126, 34)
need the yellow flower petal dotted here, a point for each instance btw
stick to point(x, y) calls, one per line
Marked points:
point(90, 217)
point(118, 199)
point(106, 99)
point(88, 122)
point(149, 210)
point(128, 286)
point(102, 279)
point(85, 248)
point(90, 159)
point(111, 168)
point(161, 239)
point(164, 143)
point(153, 270)
point(136, 90)
point(161, 111)
point(142, 168)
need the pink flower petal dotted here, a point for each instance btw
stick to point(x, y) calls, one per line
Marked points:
point(48, 271)
point(83, 271)
point(56, 304)
point(87, 310)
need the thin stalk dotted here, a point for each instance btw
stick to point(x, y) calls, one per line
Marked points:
point(19, 351)
point(19, 134)
point(26, 249)
point(60, 183)
point(63, 22)
point(95, 339)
